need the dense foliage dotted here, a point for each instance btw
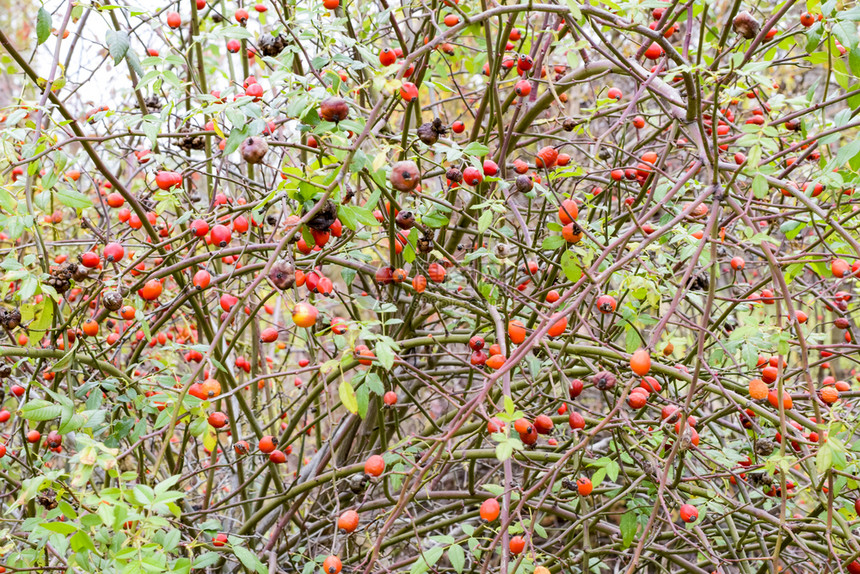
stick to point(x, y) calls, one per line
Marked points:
point(457, 286)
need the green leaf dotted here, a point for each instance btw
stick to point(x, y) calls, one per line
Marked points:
point(134, 63)
point(41, 410)
point(612, 470)
point(629, 526)
point(552, 242)
point(43, 26)
point(476, 149)
point(571, 266)
point(845, 153)
point(46, 317)
point(73, 199)
point(249, 560)
point(433, 555)
point(81, 541)
point(434, 219)
point(824, 458)
point(504, 450)
point(494, 489)
point(509, 405)
point(457, 556)
point(573, 6)
point(352, 215)
point(385, 355)
point(64, 528)
point(598, 477)
point(485, 221)
point(374, 384)
point(362, 397)
point(846, 33)
point(66, 359)
point(347, 396)
point(237, 136)
point(118, 44)
point(759, 187)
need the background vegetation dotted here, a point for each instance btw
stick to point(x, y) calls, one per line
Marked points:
point(368, 286)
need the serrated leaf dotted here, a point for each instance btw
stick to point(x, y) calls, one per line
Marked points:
point(457, 557)
point(65, 359)
point(64, 528)
point(72, 198)
point(485, 221)
point(384, 355)
point(846, 32)
point(249, 560)
point(504, 450)
point(41, 410)
point(43, 25)
point(347, 396)
point(552, 243)
point(629, 526)
point(571, 266)
point(118, 44)
point(362, 397)
point(759, 187)
point(134, 63)
point(494, 489)
point(824, 458)
point(374, 384)
point(210, 441)
point(476, 149)
point(237, 136)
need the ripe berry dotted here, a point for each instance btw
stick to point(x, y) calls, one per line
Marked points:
point(114, 252)
point(524, 426)
point(408, 91)
point(516, 331)
point(584, 486)
point(89, 259)
point(543, 424)
point(390, 398)
point(277, 457)
point(490, 509)
point(151, 290)
point(472, 176)
point(348, 521)
point(374, 466)
point(491, 168)
point(387, 57)
point(839, 267)
point(523, 88)
point(640, 362)
point(606, 304)
point(174, 20)
point(517, 544)
point(332, 565)
point(268, 444)
point(218, 420)
point(220, 235)
point(201, 279)
point(689, 513)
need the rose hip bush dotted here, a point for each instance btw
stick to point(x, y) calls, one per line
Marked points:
point(371, 286)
